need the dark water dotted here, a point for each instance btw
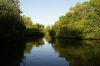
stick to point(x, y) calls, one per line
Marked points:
point(55, 52)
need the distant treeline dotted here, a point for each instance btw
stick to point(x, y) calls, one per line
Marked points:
point(82, 22)
point(33, 30)
point(13, 26)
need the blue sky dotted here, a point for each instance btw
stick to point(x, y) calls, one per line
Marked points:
point(46, 12)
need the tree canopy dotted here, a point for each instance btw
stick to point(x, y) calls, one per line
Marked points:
point(11, 23)
point(82, 21)
point(13, 26)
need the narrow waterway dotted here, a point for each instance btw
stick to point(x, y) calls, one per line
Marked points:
point(43, 55)
point(53, 52)
point(61, 52)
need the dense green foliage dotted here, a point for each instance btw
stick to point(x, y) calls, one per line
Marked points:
point(82, 21)
point(13, 26)
point(11, 23)
point(33, 29)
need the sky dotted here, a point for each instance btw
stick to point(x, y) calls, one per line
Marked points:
point(46, 12)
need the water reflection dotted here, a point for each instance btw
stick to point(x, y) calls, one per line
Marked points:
point(37, 42)
point(55, 52)
point(39, 52)
point(11, 53)
point(78, 52)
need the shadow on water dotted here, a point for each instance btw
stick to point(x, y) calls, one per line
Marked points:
point(11, 53)
point(78, 52)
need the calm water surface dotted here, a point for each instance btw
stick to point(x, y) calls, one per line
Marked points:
point(43, 55)
point(50, 52)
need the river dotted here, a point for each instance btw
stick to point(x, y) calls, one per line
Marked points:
point(55, 52)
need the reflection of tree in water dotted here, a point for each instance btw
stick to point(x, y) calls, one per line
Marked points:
point(77, 52)
point(11, 53)
point(23, 60)
point(49, 39)
point(37, 42)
